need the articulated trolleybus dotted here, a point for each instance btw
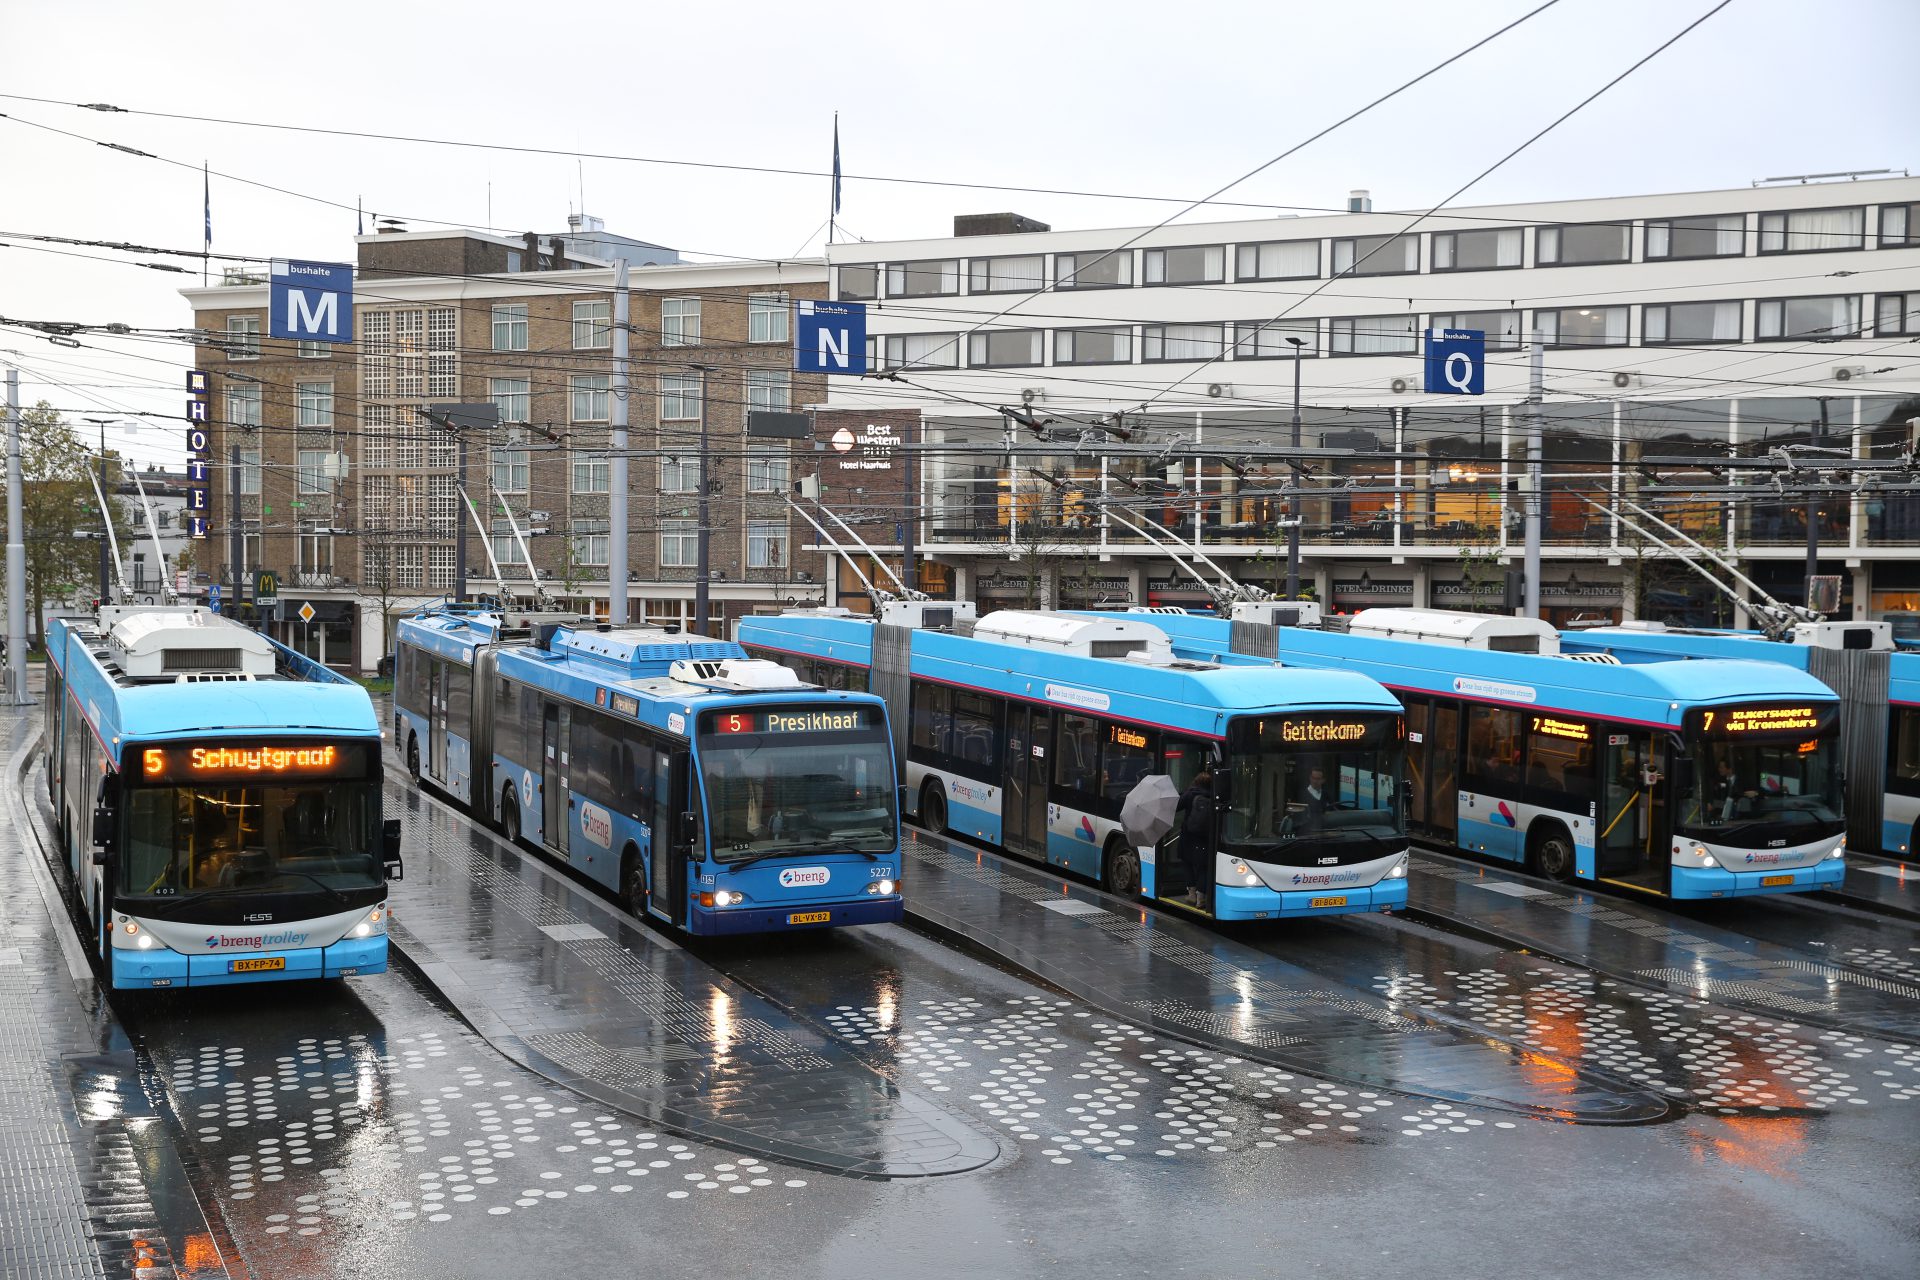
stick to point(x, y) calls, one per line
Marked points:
point(714, 793)
point(218, 801)
point(1703, 779)
point(1028, 730)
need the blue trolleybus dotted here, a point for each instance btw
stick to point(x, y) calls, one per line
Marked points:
point(218, 801)
point(1879, 685)
point(1028, 730)
point(1705, 779)
point(714, 793)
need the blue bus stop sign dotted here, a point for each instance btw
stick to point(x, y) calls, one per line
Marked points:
point(1456, 362)
point(830, 337)
point(310, 301)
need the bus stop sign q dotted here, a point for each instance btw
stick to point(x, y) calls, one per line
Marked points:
point(1456, 362)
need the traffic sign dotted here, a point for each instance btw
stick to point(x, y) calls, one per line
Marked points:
point(1456, 362)
point(213, 597)
point(266, 587)
point(306, 611)
point(310, 301)
point(830, 337)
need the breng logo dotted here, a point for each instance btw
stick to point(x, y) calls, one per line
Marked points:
point(254, 941)
point(804, 877)
point(1345, 877)
point(1764, 858)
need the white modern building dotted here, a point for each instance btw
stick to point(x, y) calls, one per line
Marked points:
point(1703, 325)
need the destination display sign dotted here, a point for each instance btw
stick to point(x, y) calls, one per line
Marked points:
point(226, 761)
point(1572, 730)
point(790, 720)
point(1795, 719)
point(1325, 732)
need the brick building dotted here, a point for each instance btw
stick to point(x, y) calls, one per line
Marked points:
point(328, 471)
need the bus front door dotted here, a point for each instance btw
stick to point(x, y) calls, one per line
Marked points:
point(437, 720)
point(555, 802)
point(1023, 811)
point(669, 838)
point(1631, 813)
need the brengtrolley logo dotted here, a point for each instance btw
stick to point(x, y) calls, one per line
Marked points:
point(254, 941)
point(1325, 878)
point(804, 877)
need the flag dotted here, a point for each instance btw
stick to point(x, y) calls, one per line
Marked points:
point(836, 162)
point(359, 218)
point(206, 208)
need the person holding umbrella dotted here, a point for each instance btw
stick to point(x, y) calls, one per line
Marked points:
point(1196, 835)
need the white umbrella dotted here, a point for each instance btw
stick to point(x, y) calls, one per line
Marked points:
point(1147, 813)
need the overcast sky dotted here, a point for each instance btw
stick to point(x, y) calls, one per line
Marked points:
point(1120, 96)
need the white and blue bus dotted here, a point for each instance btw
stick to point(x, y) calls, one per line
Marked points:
point(1879, 685)
point(1683, 779)
point(713, 793)
point(1028, 730)
point(217, 798)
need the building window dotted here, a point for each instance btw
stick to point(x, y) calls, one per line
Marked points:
point(1812, 230)
point(592, 473)
point(929, 278)
point(440, 566)
point(1376, 256)
point(680, 322)
point(1196, 264)
point(766, 468)
point(1267, 339)
point(1278, 260)
point(1093, 346)
point(766, 544)
point(1024, 274)
point(1899, 225)
point(921, 350)
point(861, 282)
point(443, 352)
point(1110, 270)
point(310, 350)
point(316, 547)
point(250, 472)
point(1583, 243)
point(769, 391)
point(680, 473)
point(510, 326)
point(592, 396)
point(679, 396)
point(1583, 326)
point(243, 337)
point(315, 472)
point(1008, 349)
point(315, 403)
point(1897, 314)
point(506, 550)
point(510, 470)
point(679, 544)
point(1690, 322)
point(1182, 341)
point(1373, 336)
point(593, 325)
point(1493, 249)
point(767, 315)
point(513, 397)
point(1501, 327)
point(592, 542)
point(1833, 316)
point(243, 406)
point(1724, 236)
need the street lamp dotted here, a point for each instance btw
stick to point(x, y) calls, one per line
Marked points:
point(1293, 528)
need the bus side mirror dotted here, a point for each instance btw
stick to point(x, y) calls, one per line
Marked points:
point(102, 835)
point(900, 798)
point(390, 849)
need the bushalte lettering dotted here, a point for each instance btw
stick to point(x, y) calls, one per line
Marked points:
point(1321, 731)
point(255, 759)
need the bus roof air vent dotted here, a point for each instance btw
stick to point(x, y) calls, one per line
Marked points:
point(1111, 636)
point(1458, 628)
point(165, 642)
point(1604, 659)
point(736, 675)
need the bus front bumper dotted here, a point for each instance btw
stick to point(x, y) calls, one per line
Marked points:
point(713, 922)
point(1232, 902)
point(347, 958)
point(1718, 882)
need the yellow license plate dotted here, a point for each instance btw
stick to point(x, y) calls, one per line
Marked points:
point(1776, 879)
point(1328, 902)
point(257, 966)
point(810, 917)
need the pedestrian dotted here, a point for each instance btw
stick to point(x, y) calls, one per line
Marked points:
point(1316, 813)
point(1196, 834)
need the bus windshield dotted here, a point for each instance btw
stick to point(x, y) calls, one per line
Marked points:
point(1330, 780)
point(793, 780)
point(1751, 792)
point(251, 838)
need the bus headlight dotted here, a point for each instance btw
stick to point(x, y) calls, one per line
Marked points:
point(145, 942)
point(1399, 870)
point(1706, 859)
point(1839, 850)
point(1245, 873)
point(882, 887)
point(368, 925)
point(728, 897)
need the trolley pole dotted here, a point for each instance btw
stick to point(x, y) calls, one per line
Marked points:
point(1536, 390)
point(617, 455)
point(16, 554)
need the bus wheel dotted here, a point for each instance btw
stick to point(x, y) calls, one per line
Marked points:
point(413, 758)
point(509, 815)
point(1120, 869)
point(633, 881)
point(933, 809)
point(1553, 855)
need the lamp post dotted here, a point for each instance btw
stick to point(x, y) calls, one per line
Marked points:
point(1293, 527)
point(100, 465)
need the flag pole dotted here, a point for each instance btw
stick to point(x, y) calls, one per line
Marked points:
point(833, 208)
point(206, 201)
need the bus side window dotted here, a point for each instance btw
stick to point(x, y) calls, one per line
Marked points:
point(1906, 752)
point(1493, 748)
